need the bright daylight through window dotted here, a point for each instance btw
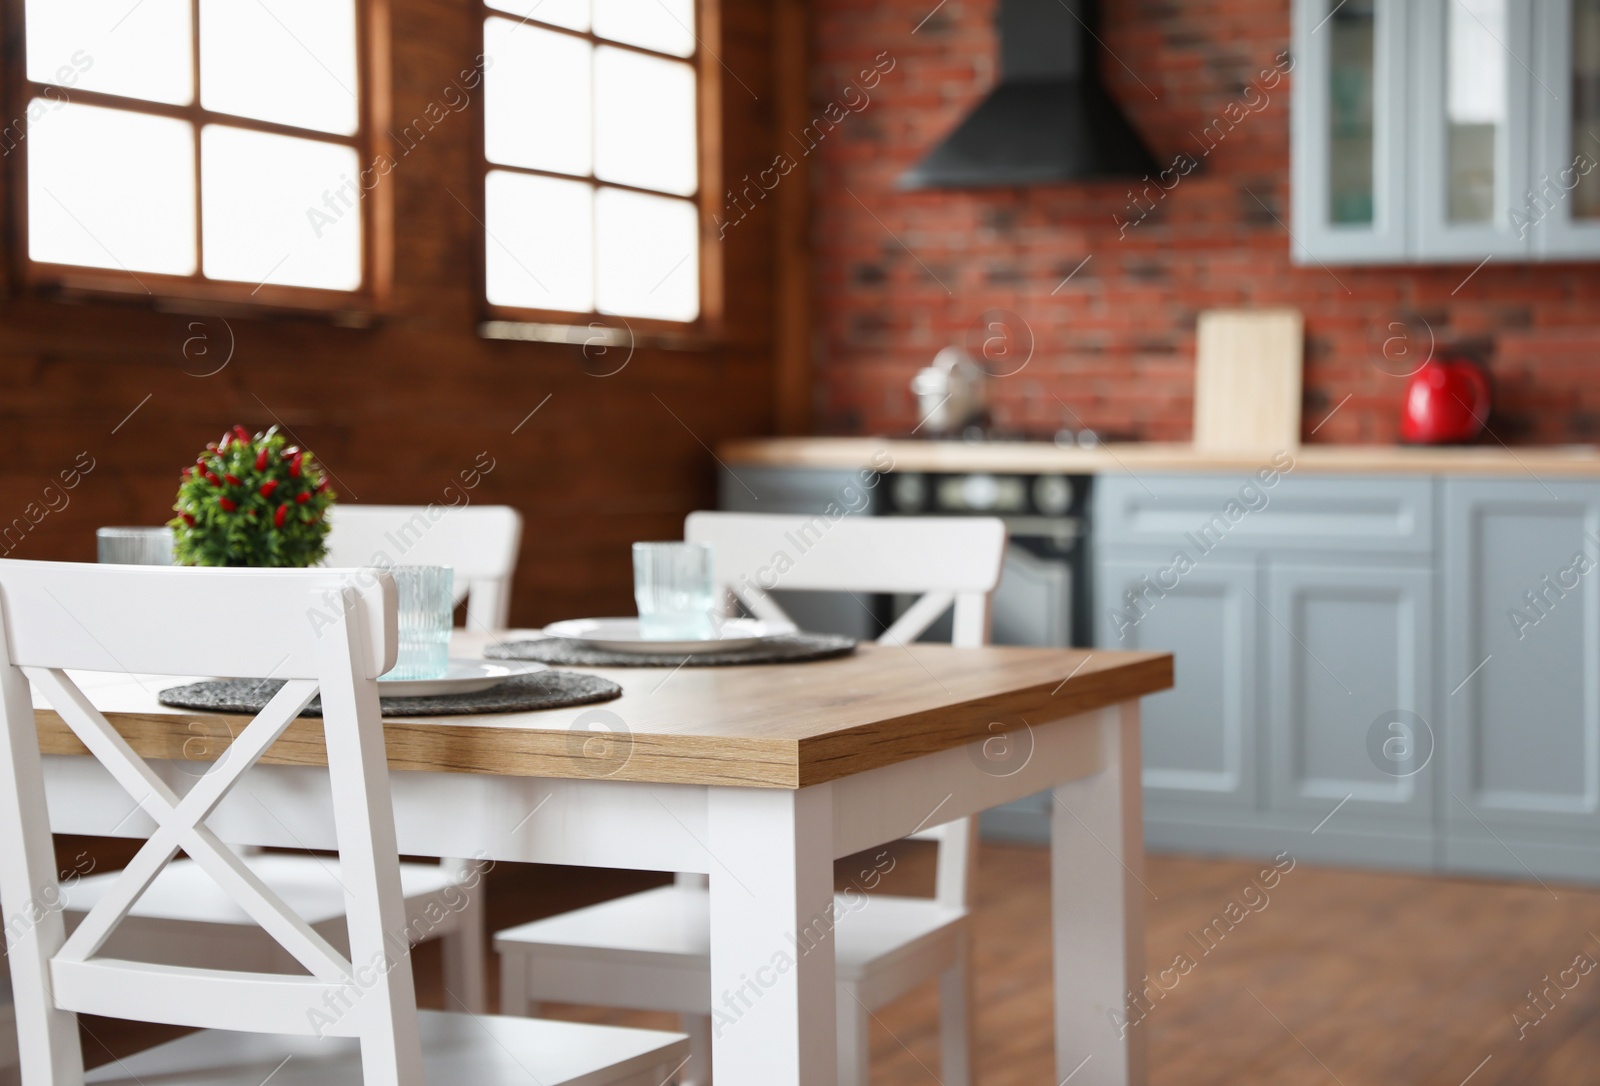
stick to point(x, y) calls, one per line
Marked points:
point(246, 178)
point(591, 136)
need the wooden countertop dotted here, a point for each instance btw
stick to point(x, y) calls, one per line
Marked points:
point(1023, 457)
point(781, 726)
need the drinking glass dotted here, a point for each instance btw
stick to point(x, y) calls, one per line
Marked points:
point(426, 609)
point(135, 546)
point(672, 586)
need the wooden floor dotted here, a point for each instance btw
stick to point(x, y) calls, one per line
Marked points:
point(1341, 977)
point(1331, 977)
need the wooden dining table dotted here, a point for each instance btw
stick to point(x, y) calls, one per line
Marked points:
point(758, 777)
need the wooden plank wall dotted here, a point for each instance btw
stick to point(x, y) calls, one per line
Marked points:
point(398, 410)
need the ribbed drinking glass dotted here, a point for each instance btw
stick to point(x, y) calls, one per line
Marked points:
point(672, 586)
point(135, 546)
point(426, 608)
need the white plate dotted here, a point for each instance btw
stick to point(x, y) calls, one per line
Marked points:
point(460, 677)
point(623, 635)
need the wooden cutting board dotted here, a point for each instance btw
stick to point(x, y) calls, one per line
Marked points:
point(1247, 380)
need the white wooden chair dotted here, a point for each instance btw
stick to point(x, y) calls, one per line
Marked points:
point(652, 950)
point(186, 918)
point(350, 1019)
point(479, 542)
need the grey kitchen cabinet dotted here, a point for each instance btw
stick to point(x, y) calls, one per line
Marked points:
point(1521, 677)
point(1423, 689)
point(1199, 738)
point(1300, 615)
point(1348, 694)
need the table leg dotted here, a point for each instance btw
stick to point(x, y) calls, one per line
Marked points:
point(772, 946)
point(1097, 898)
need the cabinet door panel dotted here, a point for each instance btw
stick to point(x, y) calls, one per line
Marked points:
point(1522, 653)
point(1347, 188)
point(1233, 514)
point(1199, 737)
point(1350, 682)
point(1472, 127)
point(1562, 212)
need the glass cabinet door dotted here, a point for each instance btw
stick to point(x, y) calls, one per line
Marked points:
point(1561, 210)
point(1475, 105)
point(1352, 79)
point(1583, 117)
point(1445, 131)
point(1349, 109)
point(1472, 138)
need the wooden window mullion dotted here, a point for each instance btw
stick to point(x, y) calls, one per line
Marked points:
point(195, 121)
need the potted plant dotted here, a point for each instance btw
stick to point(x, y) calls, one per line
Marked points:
point(252, 501)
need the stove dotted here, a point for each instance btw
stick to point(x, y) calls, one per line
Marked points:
point(1043, 597)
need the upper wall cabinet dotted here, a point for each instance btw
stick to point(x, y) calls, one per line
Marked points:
point(1440, 131)
point(1348, 131)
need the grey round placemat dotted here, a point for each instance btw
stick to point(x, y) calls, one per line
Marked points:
point(525, 693)
point(783, 649)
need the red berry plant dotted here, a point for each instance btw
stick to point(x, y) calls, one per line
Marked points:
point(252, 501)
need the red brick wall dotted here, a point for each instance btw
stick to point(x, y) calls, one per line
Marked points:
point(900, 275)
point(398, 410)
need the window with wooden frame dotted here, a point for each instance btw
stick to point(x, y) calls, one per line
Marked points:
point(597, 162)
point(200, 150)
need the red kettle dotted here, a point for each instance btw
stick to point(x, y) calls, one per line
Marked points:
point(1446, 402)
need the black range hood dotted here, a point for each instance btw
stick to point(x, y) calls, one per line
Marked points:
point(1050, 119)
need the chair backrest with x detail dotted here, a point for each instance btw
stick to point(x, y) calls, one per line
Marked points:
point(321, 631)
point(948, 562)
point(479, 542)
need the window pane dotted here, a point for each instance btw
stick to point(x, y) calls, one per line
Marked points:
point(110, 189)
point(649, 255)
point(644, 121)
point(115, 46)
point(666, 26)
point(1585, 104)
point(572, 14)
point(1350, 76)
point(536, 98)
point(279, 210)
point(540, 251)
point(290, 61)
point(1475, 105)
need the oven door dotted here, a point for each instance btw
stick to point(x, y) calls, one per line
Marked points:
point(1038, 599)
point(1034, 603)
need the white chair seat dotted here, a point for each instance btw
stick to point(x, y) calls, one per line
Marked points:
point(308, 884)
point(457, 1050)
point(671, 926)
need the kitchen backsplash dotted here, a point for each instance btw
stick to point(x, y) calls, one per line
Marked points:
point(1105, 279)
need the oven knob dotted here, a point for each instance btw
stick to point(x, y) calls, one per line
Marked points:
point(910, 492)
point(980, 491)
point(1052, 494)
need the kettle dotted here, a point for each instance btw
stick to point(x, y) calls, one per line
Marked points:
point(1446, 402)
point(952, 393)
